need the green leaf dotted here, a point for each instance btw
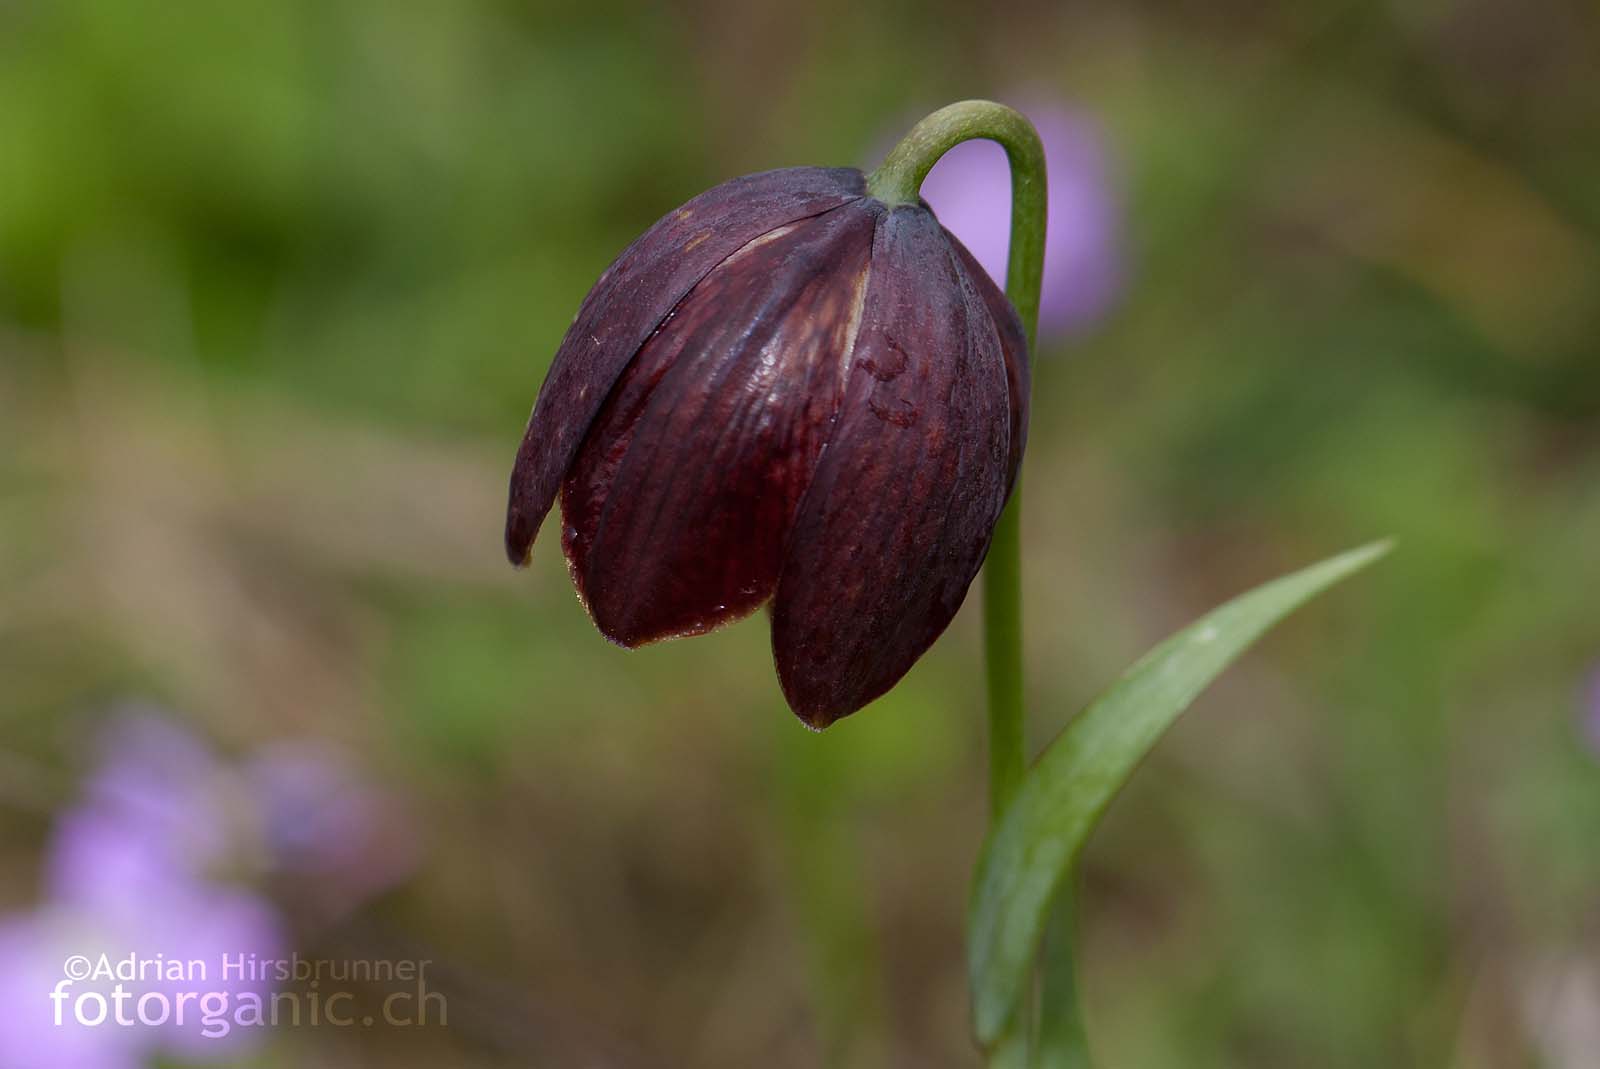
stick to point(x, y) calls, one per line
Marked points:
point(1032, 849)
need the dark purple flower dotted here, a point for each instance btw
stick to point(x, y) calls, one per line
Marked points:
point(785, 391)
point(970, 188)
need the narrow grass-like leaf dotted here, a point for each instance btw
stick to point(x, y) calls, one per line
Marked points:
point(1062, 1042)
point(1030, 852)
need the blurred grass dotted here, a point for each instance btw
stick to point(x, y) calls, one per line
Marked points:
point(278, 283)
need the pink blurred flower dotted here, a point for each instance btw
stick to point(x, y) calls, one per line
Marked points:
point(969, 190)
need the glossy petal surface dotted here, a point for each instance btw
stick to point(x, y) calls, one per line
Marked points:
point(1014, 345)
point(630, 301)
point(679, 505)
point(904, 501)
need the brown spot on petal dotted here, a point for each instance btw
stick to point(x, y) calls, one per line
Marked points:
point(888, 362)
point(899, 411)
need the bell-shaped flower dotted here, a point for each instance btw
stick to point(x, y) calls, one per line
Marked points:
point(786, 392)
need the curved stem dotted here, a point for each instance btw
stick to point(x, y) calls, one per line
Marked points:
point(899, 177)
point(897, 181)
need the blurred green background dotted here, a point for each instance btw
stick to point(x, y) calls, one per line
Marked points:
point(279, 281)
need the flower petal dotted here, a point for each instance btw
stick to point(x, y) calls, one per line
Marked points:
point(678, 507)
point(1014, 344)
point(904, 501)
point(630, 301)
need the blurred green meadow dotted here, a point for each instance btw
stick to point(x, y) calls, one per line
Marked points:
point(279, 282)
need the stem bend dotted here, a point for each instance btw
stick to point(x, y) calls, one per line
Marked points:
point(898, 179)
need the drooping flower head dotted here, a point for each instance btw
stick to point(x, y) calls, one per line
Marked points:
point(787, 392)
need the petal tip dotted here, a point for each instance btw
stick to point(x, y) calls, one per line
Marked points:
point(816, 722)
point(634, 630)
point(623, 640)
point(817, 708)
point(519, 539)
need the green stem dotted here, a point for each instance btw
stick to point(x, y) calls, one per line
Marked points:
point(1002, 641)
point(897, 181)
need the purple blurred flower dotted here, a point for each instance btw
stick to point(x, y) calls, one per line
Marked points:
point(125, 875)
point(969, 190)
point(1591, 712)
point(32, 948)
point(134, 869)
point(342, 841)
point(149, 816)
